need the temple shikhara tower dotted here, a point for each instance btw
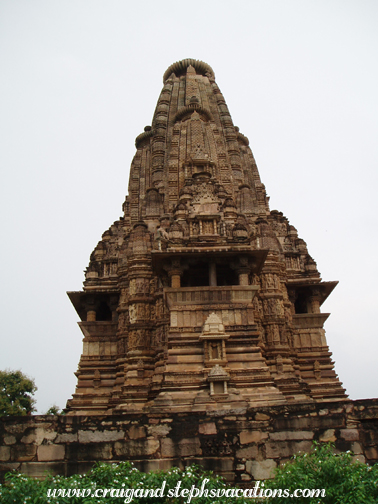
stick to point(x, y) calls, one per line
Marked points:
point(203, 339)
point(200, 297)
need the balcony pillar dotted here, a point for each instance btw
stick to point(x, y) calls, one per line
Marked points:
point(212, 274)
point(243, 277)
point(175, 280)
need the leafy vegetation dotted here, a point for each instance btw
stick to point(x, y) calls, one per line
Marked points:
point(344, 482)
point(54, 410)
point(16, 393)
point(21, 489)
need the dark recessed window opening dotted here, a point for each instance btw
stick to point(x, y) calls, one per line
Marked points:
point(103, 312)
point(226, 275)
point(197, 275)
point(301, 303)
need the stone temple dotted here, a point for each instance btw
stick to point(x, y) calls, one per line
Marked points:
point(203, 336)
point(200, 298)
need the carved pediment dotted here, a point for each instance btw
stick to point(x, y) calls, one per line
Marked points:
point(205, 202)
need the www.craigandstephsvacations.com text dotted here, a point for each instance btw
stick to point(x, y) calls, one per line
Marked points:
point(129, 494)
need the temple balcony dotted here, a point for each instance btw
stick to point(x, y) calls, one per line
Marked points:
point(190, 306)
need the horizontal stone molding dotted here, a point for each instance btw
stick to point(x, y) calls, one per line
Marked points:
point(309, 320)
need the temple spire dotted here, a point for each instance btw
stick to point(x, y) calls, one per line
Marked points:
point(200, 297)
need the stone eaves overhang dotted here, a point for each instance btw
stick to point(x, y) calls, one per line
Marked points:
point(322, 289)
point(82, 301)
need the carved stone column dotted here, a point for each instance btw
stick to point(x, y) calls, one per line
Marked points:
point(243, 268)
point(139, 362)
point(212, 274)
point(175, 270)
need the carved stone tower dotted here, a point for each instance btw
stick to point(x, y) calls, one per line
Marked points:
point(199, 297)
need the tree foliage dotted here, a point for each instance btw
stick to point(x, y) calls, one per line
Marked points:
point(16, 393)
point(54, 410)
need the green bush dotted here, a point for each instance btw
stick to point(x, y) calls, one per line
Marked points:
point(344, 481)
point(21, 489)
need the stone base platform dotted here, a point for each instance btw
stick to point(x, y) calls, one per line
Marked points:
point(242, 445)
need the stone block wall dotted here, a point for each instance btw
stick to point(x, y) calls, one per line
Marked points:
point(242, 444)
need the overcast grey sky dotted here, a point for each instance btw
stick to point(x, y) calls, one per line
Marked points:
point(79, 80)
